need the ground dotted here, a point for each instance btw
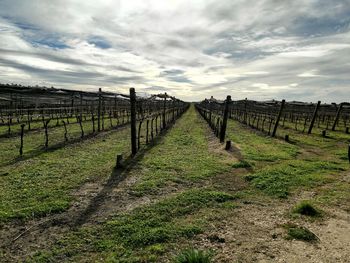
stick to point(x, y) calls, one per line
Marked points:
point(185, 191)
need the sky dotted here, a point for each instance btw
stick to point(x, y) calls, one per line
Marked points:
point(268, 49)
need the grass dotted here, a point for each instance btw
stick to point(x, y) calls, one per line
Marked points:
point(279, 179)
point(193, 256)
point(242, 164)
point(307, 209)
point(300, 233)
point(258, 148)
point(182, 157)
point(144, 234)
point(42, 185)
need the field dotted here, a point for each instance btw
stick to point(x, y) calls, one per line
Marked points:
point(263, 200)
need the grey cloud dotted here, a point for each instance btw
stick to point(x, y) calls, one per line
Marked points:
point(220, 40)
point(176, 75)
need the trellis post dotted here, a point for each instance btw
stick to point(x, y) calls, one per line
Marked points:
point(314, 117)
point(337, 117)
point(99, 110)
point(224, 121)
point(133, 121)
point(278, 118)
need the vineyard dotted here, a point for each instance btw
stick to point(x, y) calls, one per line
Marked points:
point(109, 177)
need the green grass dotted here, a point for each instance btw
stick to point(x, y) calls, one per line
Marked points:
point(242, 164)
point(144, 234)
point(307, 209)
point(279, 179)
point(257, 147)
point(300, 233)
point(193, 256)
point(181, 158)
point(42, 185)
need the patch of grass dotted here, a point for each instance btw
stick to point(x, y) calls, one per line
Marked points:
point(278, 180)
point(256, 147)
point(242, 164)
point(193, 255)
point(300, 233)
point(182, 157)
point(42, 185)
point(144, 233)
point(307, 209)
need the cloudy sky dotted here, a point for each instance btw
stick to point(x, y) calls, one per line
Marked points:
point(297, 50)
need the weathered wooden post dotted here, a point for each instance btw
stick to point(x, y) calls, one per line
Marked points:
point(245, 111)
point(133, 121)
point(210, 112)
point(228, 145)
point(99, 110)
point(72, 105)
point(224, 121)
point(314, 117)
point(65, 131)
point(164, 109)
point(22, 133)
point(147, 132)
point(278, 118)
point(139, 135)
point(46, 124)
point(119, 161)
point(81, 126)
point(337, 116)
point(81, 106)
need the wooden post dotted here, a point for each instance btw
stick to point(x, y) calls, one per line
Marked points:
point(99, 111)
point(22, 133)
point(147, 132)
point(224, 121)
point(337, 116)
point(72, 105)
point(278, 118)
point(133, 121)
point(245, 111)
point(164, 109)
point(314, 117)
point(119, 161)
point(46, 124)
point(139, 135)
point(228, 145)
point(65, 131)
point(81, 127)
point(81, 106)
point(286, 138)
point(210, 112)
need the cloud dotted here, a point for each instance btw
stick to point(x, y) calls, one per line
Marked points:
point(297, 50)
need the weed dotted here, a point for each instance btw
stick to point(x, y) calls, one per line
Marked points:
point(242, 164)
point(307, 209)
point(194, 256)
point(300, 233)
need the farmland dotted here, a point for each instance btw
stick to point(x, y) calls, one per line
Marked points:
point(277, 192)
